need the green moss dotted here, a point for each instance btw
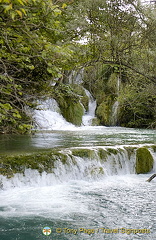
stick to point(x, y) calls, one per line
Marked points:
point(104, 110)
point(144, 160)
point(69, 103)
point(95, 122)
point(113, 151)
point(96, 171)
point(102, 154)
point(84, 153)
point(130, 151)
point(42, 161)
point(73, 112)
point(79, 90)
point(154, 148)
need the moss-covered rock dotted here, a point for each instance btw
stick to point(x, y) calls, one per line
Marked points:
point(130, 151)
point(102, 154)
point(144, 160)
point(154, 148)
point(73, 112)
point(80, 91)
point(104, 111)
point(69, 103)
point(113, 151)
point(95, 122)
point(84, 153)
point(41, 161)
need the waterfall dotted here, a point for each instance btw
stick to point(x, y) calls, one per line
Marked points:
point(115, 107)
point(114, 114)
point(48, 117)
point(76, 77)
point(77, 164)
point(90, 114)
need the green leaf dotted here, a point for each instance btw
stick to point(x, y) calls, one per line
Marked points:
point(64, 5)
point(7, 106)
point(57, 12)
point(19, 13)
point(17, 115)
point(23, 10)
point(21, 2)
point(7, 7)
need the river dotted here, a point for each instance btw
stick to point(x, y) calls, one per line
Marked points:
point(73, 204)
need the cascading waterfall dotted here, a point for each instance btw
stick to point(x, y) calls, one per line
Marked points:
point(114, 115)
point(115, 107)
point(87, 192)
point(48, 117)
point(97, 163)
point(87, 118)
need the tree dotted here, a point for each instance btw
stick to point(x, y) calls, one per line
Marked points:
point(121, 39)
point(33, 54)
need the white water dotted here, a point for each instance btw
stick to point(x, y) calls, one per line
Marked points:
point(110, 203)
point(114, 115)
point(86, 195)
point(87, 118)
point(79, 196)
point(76, 168)
point(113, 161)
point(48, 117)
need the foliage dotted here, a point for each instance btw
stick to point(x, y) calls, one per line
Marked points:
point(121, 37)
point(41, 40)
point(33, 54)
point(138, 105)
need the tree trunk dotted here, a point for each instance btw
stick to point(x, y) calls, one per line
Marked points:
point(150, 179)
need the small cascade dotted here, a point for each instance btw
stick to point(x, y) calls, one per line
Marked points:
point(48, 116)
point(87, 164)
point(76, 77)
point(114, 114)
point(115, 107)
point(87, 118)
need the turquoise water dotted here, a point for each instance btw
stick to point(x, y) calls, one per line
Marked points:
point(81, 210)
point(115, 207)
point(83, 136)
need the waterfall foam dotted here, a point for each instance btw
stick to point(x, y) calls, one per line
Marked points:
point(102, 162)
point(87, 118)
point(114, 114)
point(48, 117)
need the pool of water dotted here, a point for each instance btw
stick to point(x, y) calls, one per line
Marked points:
point(76, 137)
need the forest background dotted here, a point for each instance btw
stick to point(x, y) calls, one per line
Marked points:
point(111, 42)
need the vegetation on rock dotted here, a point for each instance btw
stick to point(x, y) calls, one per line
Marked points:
point(42, 161)
point(144, 160)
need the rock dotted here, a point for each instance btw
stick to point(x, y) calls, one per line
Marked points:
point(144, 160)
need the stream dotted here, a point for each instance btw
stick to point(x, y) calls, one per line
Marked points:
point(73, 204)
